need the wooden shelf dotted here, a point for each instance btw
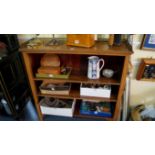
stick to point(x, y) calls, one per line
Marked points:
point(82, 79)
point(78, 115)
point(74, 94)
point(149, 80)
point(116, 58)
point(100, 48)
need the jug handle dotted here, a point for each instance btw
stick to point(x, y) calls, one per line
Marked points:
point(101, 60)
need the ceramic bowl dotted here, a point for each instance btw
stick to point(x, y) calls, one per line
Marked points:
point(108, 73)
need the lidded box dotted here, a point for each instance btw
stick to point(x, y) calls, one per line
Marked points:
point(82, 40)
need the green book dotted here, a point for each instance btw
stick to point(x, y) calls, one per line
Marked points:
point(58, 76)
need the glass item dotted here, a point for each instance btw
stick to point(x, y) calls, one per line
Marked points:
point(53, 41)
point(117, 39)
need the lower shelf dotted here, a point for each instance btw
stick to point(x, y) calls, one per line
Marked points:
point(73, 111)
point(78, 115)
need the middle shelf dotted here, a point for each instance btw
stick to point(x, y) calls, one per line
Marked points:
point(77, 90)
point(75, 94)
point(81, 78)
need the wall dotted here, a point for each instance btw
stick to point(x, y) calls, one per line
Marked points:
point(142, 92)
point(24, 37)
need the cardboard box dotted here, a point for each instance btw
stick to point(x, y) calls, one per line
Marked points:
point(57, 111)
point(95, 92)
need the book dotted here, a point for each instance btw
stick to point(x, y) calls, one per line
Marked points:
point(58, 76)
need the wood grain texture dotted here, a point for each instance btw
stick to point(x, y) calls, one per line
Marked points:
point(111, 39)
point(100, 48)
point(83, 79)
point(76, 57)
point(121, 89)
point(81, 40)
point(75, 94)
point(28, 65)
point(140, 72)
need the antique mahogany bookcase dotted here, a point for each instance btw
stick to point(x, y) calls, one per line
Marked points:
point(115, 58)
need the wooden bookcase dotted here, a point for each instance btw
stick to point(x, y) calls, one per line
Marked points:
point(116, 58)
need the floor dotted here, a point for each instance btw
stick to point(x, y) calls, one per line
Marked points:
point(58, 118)
point(46, 118)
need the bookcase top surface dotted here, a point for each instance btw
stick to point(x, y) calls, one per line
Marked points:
point(100, 48)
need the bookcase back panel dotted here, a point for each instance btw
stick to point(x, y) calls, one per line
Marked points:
point(79, 63)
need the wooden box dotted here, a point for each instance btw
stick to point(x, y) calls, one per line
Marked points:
point(55, 89)
point(146, 70)
point(82, 40)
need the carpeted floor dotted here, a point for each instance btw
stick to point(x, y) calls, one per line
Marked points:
point(58, 118)
point(46, 118)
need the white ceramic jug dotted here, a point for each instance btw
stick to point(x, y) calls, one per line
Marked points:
point(94, 67)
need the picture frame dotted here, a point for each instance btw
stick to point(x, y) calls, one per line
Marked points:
point(146, 70)
point(148, 42)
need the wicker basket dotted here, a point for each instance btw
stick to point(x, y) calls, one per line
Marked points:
point(55, 89)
